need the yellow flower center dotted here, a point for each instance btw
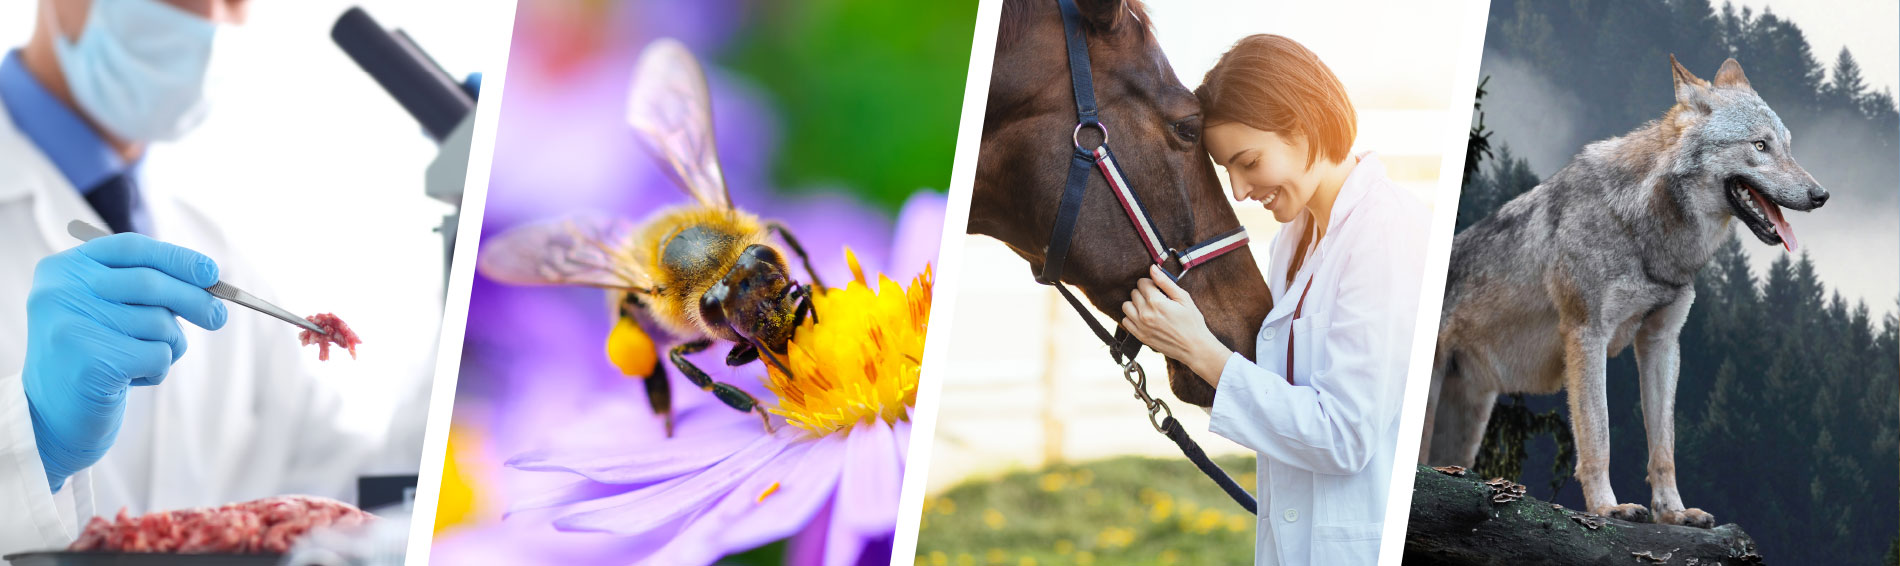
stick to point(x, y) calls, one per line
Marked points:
point(862, 362)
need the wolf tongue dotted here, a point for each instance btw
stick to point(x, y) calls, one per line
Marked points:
point(1781, 224)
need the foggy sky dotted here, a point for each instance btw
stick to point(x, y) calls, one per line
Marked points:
point(1854, 239)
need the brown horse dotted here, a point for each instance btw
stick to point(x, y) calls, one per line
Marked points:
point(1155, 126)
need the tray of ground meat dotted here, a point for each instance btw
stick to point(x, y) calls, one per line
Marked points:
point(252, 532)
point(335, 332)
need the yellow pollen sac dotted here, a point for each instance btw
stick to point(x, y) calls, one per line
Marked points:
point(769, 490)
point(862, 363)
point(631, 349)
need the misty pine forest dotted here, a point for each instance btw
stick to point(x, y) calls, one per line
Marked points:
point(1789, 395)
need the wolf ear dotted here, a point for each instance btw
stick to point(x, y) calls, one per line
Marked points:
point(1731, 75)
point(1688, 86)
point(1103, 15)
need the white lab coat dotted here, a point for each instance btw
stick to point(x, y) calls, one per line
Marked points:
point(237, 418)
point(1326, 441)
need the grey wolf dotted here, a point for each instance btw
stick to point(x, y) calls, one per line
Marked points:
point(1601, 257)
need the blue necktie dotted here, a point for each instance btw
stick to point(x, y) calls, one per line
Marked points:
point(117, 202)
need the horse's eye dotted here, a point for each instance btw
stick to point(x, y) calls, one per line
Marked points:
point(1761, 145)
point(1188, 131)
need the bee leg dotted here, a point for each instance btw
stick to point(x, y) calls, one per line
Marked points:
point(771, 359)
point(791, 242)
point(733, 397)
point(804, 308)
point(660, 394)
point(742, 354)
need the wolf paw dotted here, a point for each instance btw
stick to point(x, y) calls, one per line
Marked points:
point(1632, 512)
point(1690, 517)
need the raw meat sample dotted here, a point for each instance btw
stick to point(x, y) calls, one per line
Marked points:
point(264, 526)
point(338, 333)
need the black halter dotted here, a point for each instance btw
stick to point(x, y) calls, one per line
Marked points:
point(1122, 346)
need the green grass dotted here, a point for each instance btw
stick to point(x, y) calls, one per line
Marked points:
point(1131, 510)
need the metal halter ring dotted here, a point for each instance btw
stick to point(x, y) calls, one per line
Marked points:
point(1076, 136)
point(1176, 256)
point(1152, 412)
point(1138, 377)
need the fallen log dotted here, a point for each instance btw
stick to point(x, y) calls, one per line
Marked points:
point(1458, 520)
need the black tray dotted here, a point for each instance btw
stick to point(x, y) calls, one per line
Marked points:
point(68, 558)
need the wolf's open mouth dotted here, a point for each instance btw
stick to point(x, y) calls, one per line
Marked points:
point(1761, 215)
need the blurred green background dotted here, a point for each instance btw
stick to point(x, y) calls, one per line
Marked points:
point(839, 68)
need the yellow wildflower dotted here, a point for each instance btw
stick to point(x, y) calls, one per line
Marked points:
point(994, 519)
point(1116, 537)
point(1161, 509)
point(863, 362)
point(1054, 481)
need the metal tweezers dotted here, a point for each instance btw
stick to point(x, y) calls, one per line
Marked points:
point(86, 232)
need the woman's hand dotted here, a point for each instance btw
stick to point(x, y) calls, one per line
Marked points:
point(1164, 317)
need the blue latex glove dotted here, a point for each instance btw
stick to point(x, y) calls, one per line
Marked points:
point(472, 84)
point(102, 317)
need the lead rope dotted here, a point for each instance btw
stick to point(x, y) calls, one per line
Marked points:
point(1122, 348)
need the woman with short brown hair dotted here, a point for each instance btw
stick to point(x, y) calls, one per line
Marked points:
point(1321, 404)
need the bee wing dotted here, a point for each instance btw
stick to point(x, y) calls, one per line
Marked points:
point(595, 251)
point(671, 112)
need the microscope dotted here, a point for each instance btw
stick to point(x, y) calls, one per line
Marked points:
point(441, 104)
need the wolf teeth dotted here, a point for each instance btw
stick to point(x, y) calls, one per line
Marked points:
point(1748, 201)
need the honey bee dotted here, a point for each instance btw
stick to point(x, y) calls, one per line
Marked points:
point(703, 270)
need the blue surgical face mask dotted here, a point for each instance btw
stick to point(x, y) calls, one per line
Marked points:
point(139, 68)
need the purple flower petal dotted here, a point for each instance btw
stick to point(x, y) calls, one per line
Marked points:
point(919, 234)
point(530, 539)
point(877, 551)
point(807, 548)
point(842, 543)
point(637, 511)
point(697, 444)
point(841, 547)
point(805, 477)
point(901, 431)
point(802, 492)
point(573, 491)
point(872, 478)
